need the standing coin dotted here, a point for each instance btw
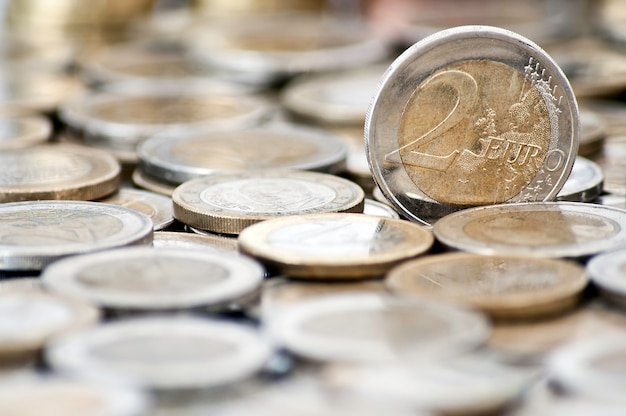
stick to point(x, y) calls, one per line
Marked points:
point(472, 116)
point(33, 234)
point(229, 202)
point(503, 286)
point(334, 246)
point(57, 172)
point(549, 229)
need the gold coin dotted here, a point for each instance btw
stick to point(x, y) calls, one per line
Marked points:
point(334, 246)
point(503, 286)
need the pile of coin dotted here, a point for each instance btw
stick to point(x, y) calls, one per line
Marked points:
point(322, 209)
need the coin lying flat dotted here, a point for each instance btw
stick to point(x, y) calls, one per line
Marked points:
point(592, 367)
point(335, 98)
point(229, 202)
point(503, 286)
point(584, 183)
point(56, 172)
point(150, 279)
point(38, 395)
point(549, 229)
point(171, 239)
point(608, 272)
point(149, 183)
point(369, 328)
point(162, 353)
point(177, 160)
point(471, 116)
point(334, 246)
point(157, 207)
point(129, 112)
point(25, 131)
point(33, 234)
point(31, 318)
point(379, 209)
point(592, 133)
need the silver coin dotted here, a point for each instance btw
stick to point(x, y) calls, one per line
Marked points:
point(53, 395)
point(229, 202)
point(33, 234)
point(591, 367)
point(26, 131)
point(584, 183)
point(440, 124)
point(607, 272)
point(369, 328)
point(548, 229)
point(130, 112)
point(196, 241)
point(335, 98)
point(592, 133)
point(150, 279)
point(177, 160)
point(379, 209)
point(162, 353)
point(157, 207)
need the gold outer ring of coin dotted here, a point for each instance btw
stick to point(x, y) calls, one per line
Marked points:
point(456, 276)
point(416, 240)
point(190, 209)
point(101, 178)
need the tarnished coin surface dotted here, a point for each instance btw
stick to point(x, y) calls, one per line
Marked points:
point(25, 131)
point(502, 286)
point(29, 319)
point(163, 353)
point(471, 116)
point(370, 328)
point(229, 202)
point(157, 207)
point(334, 246)
point(150, 279)
point(177, 160)
point(33, 234)
point(548, 229)
point(57, 172)
point(53, 395)
point(584, 183)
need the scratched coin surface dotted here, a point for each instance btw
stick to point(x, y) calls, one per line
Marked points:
point(33, 234)
point(502, 286)
point(542, 229)
point(334, 246)
point(229, 202)
point(471, 116)
point(177, 160)
point(151, 279)
point(57, 172)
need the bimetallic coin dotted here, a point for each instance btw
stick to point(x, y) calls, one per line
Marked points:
point(608, 272)
point(163, 353)
point(314, 43)
point(52, 395)
point(33, 234)
point(549, 229)
point(150, 279)
point(25, 131)
point(592, 368)
point(155, 206)
point(471, 116)
point(57, 172)
point(334, 246)
point(335, 98)
point(188, 241)
point(177, 160)
point(29, 319)
point(584, 183)
point(131, 112)
point(229, 202)
point(149, 183)
point(502, 286)
point(369, 328)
